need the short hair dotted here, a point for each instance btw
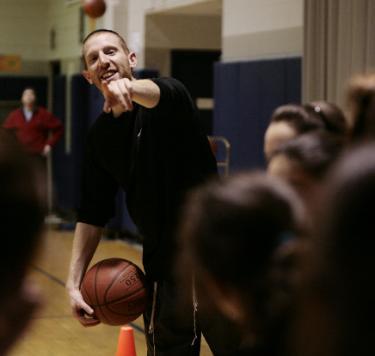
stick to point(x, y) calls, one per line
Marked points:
point(22, 208)
point(315, 152)
point(29, 88)
point(331, 115)
point(297, 117)
point(103, 30)
point(243, 221)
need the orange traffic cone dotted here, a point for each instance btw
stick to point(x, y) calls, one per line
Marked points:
point(126, 346)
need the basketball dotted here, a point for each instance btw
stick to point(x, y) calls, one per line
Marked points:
point(115, 288)
point(94, 8)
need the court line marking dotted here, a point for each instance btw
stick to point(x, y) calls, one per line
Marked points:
point(62, 284)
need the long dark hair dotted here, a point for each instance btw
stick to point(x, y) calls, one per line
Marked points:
point(232, 230)
point(340, 268)
point(314, 152)
point(330, 115)
point(297, 117)
point(22, 210)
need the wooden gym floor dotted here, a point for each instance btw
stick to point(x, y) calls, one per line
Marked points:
point(54, 331)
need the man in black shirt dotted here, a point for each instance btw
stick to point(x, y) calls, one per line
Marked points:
point(147, 142)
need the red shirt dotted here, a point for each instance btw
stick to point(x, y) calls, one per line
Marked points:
point(34, 135)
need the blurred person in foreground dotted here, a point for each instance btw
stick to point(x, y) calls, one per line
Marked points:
point(336, 304)
point(238, 236)
point(22, 214)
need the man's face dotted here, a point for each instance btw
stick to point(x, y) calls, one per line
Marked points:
point(28, 98)
point(106, 59)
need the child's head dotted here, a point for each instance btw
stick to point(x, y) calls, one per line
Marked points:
point(330, 115)
point(287, 122)
point(233, 233)
point(341, 265)
point(291, 121)
point(22, 213)
point(304, 162)
point(22, 210)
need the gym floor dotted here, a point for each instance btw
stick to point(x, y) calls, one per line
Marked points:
point(54, 331)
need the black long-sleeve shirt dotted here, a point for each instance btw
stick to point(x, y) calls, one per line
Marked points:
point(156, 155)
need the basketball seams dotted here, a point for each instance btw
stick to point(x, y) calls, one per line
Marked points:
point(96, 291)
point(114, 280)
point(104, 272)
point(95, 280)
point(124, 298)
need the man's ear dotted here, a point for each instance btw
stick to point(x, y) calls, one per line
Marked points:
point(87, 76)
point(132, 60)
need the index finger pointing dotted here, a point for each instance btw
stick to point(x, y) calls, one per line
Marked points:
point(106, 91)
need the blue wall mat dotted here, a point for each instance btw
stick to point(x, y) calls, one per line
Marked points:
point(11, 87)
point(226, 113)
point(67, 166)
point(294, 80)
point(245, 95)
point(59, 158)
point(80, 124)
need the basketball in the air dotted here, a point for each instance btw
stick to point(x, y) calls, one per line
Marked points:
point(94, 8)
point(116, 289)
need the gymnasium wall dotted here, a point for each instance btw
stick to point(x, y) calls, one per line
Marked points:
point(23, 33)
point(183, 32)
point(170, 32)
point(261, 42)
point(65, 21)
point(40, 31)
point(254, 29)
point(260, 70)
point(245, 94)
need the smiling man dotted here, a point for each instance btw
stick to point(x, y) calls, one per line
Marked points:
point(147, 142)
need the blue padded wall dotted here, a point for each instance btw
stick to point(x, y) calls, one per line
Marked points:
point(245, 95)
point(11, 87)
point(59, 158)
point(67, 163)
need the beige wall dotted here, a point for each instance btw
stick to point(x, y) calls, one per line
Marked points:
point(22, 28)
point(23, 33)
point(262, 29)
point(65, 20)
point(183, 32)
point(25, 28)
point(250, 29)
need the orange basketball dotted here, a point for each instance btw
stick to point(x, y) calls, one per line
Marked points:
point(94, 8)
point(115, 288)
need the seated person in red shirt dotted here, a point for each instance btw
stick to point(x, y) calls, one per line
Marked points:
point(35, 128)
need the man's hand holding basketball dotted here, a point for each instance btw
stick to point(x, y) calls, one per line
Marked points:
point(81, 310)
